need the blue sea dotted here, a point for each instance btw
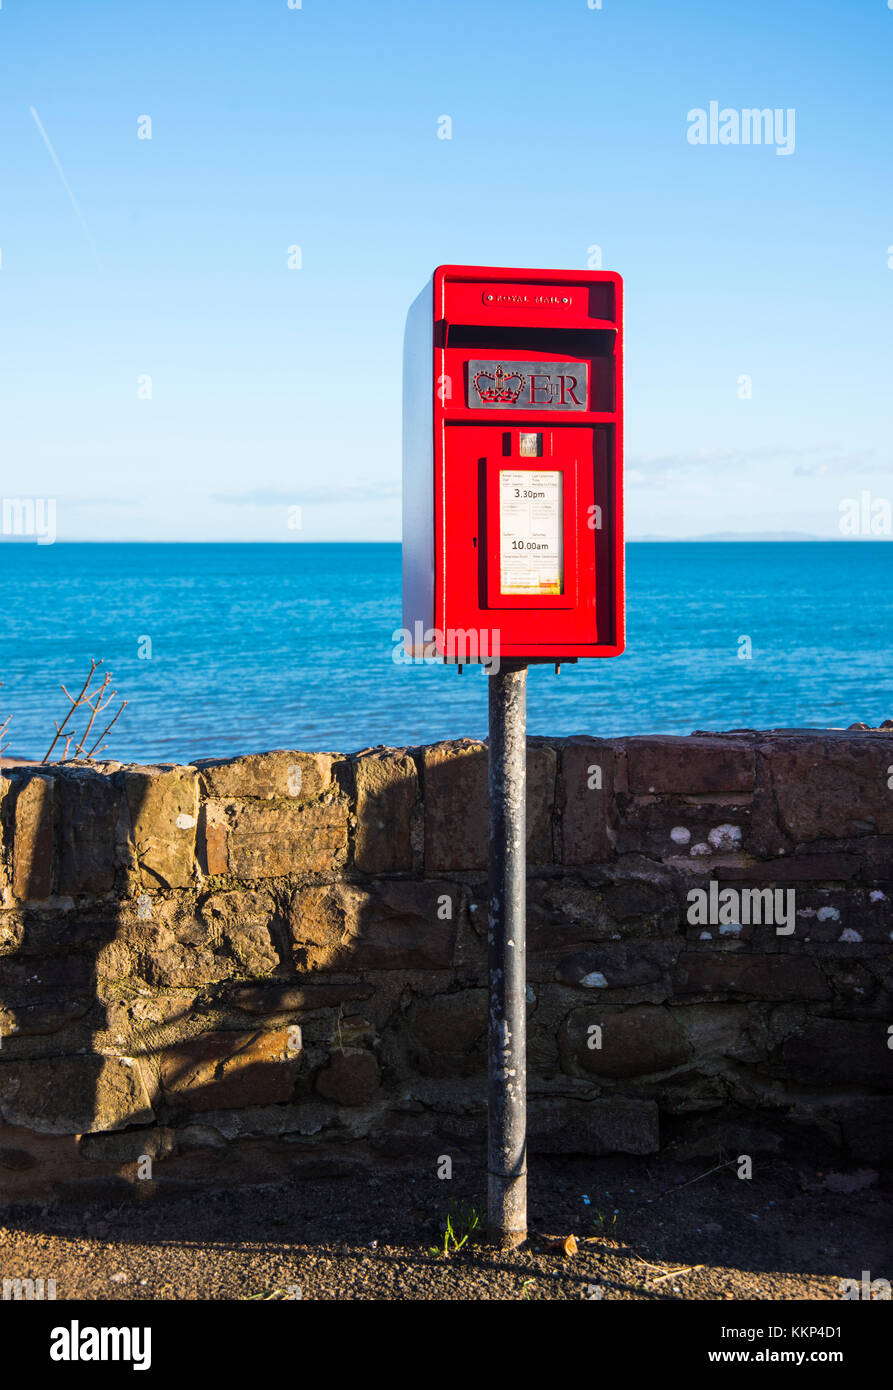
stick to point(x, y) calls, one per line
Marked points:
point(222, 649)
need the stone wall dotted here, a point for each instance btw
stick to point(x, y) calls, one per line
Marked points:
point(229, 971)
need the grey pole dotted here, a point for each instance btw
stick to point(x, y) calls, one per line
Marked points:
point(507, 957)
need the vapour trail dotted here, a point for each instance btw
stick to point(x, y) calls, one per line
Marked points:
point(66, 185)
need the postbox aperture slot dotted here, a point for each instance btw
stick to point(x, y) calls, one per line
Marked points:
point(576, 342)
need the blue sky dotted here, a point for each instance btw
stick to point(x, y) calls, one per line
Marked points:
point(318, 127)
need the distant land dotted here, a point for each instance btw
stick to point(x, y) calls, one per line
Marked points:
point(745, 536)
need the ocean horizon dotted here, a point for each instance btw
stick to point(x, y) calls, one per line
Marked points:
point(223, 648)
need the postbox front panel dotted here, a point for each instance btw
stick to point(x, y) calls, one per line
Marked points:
point(519, 563)
point(527, 516)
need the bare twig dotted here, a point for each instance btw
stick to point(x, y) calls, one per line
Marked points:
point(95, 705)
point(96, 701)
point(74, 705)
point(679, 1186)
point(675, 1273)
point(104, 732)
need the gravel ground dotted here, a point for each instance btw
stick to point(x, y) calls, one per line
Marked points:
point(650, 1230)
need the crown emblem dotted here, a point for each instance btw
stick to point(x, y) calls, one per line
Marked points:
point(500, 390)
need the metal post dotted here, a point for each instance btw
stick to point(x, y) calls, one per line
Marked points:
point(507, 957)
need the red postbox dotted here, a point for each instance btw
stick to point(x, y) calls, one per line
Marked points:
point(512, 466)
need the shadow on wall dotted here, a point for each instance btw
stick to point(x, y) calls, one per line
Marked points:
point(102, 962)
point(65, 831)
point(142, 1005)
point(249, 966)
